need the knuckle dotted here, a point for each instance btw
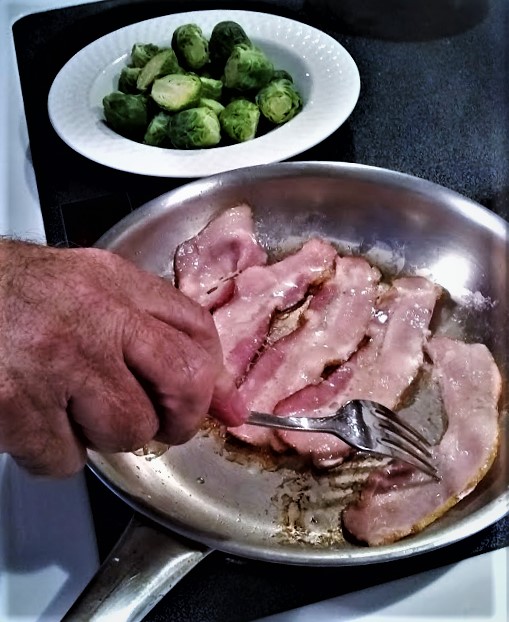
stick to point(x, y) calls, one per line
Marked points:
point(52, 458)
point(137, 439)
point(100, 255)
point(177, 430)
point(134, 429)
point(199, 382)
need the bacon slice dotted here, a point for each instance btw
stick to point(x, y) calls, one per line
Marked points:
point(402, 501)
point(330, 330)
point(382, 370)
point(204, 265)
point(260, 291)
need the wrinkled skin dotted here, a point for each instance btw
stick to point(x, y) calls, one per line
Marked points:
point(96, 353)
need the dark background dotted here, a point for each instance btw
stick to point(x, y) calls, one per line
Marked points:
point(433, 103)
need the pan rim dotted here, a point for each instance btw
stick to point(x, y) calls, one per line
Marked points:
point(430, 539)
point(457, 202)
point(427, 541)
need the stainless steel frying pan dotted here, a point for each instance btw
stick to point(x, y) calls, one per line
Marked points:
point(200, 496)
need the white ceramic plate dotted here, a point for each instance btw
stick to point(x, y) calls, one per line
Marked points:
point(323, 71)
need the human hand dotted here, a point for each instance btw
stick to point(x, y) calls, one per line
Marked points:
point(97, 353)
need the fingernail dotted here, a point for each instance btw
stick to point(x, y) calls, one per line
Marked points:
point(238, 407)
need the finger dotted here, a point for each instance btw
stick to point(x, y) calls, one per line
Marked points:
point(161, 299)
point(178, 373)
point(227, 405)
point(52, 456)
point(41, 439)
point(113, 411)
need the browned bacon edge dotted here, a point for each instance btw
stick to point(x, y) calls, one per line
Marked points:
point(329, 331)
point(381, 370)
point(400, 501)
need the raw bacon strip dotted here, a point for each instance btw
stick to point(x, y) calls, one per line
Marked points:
point(319, 400)
point(382, 370)
point(260, 291)
point(393, 506)
point(331, 329)
point(205, 264)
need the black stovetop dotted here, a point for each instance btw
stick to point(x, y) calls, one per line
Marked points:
point(434, 103)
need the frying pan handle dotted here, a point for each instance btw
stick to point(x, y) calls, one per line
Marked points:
point(146, 563)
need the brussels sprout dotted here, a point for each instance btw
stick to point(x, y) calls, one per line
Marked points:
point(247, 68)
point(176, 92)
point(191, 47)
point(211, 88)
point(239, 120)
point(281, 74)
point(162, 64)
point(279, 101)
point(127, 80)
point(224, 37)
point(157, 131)
point(141, 53)
point(126, 114)
point(213, 104)
point(195, 128)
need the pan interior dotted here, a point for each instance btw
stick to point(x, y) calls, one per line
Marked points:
point(239, 503)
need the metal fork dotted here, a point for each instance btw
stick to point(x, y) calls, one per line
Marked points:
point(366, 426)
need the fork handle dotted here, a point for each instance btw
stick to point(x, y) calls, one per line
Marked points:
point(303, 424)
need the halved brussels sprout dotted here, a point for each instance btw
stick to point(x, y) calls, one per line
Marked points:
point(213, 104)
point(162, 64)
point(176, 92)
point(141, 53)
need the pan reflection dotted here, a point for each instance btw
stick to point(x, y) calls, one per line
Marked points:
point(453, 272)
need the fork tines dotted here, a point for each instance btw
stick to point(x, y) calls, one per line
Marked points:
point(405, 442)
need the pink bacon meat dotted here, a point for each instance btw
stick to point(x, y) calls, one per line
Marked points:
point(331, 329)
point(401, 501)
point(260, 291)
point(205, 264)
point(382, 370)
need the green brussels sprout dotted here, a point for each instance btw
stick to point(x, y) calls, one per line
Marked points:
point(211, 88)
point(126, 114)
point(176, 92)
point(127, 80)
point(195, 128)
point(247, 68)
point(239, 120)
point(141, 53)
point(213, 104)
point(157, 131)
point(191, 47)
point(162, 64)
point(281, 74)
point(279, 101)
point(223, 38)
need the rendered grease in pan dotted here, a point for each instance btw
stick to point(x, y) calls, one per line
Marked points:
point(242, 508)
